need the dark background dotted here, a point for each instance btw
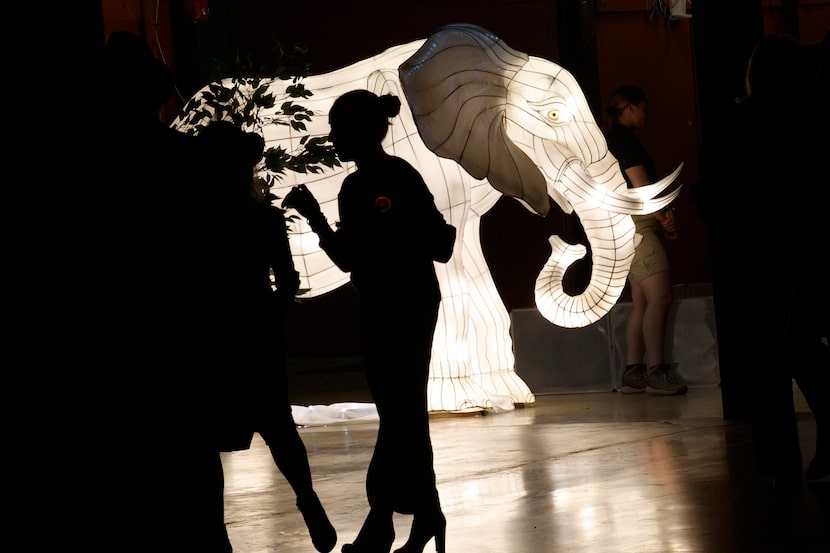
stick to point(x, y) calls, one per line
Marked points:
point(692, 69)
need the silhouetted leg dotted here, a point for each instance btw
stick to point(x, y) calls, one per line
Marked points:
point(197, 500)
point(219, 541)
point(278, 429)
point(397, 340)
point(377, 531)
point(769, 372)
point(813, 378)
point(776, 426)
point(811, 367)
point(403, 460)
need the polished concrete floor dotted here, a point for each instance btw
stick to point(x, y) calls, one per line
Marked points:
point(580, 473)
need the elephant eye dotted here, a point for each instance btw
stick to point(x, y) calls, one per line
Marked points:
point(553, 114)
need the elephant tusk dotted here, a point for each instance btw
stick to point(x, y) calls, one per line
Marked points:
point(650, 194)
point(580, 189)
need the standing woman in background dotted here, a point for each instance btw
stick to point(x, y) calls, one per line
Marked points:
point(650, 276)
point(389, 236)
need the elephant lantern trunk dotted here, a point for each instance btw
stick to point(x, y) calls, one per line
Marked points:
point(523, 124)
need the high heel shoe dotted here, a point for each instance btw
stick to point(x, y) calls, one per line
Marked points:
point(323, 534)
point(376, 535)
point(424, 528)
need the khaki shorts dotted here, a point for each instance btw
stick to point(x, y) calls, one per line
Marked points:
point(650, 256)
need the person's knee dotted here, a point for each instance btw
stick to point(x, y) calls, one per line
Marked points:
point(665, 299)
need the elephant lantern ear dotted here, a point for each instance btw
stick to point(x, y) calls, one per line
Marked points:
point(456, 85)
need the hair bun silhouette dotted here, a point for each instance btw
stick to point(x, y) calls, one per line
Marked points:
point(364, 104)
point(390, 105)
point(366, 110)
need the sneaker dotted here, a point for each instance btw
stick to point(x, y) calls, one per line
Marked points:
point(664, 380)
point(634, 379)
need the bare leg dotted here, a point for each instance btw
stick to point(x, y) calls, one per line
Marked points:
point(658, 298)
point(634, 343)
point(661, 378)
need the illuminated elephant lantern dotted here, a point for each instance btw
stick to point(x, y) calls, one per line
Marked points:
point(479, 120)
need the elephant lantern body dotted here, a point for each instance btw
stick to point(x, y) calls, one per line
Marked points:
point(480, 120)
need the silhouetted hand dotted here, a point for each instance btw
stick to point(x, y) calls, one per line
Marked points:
point(302, 200)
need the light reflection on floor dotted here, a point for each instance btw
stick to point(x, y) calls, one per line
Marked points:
point(578, 473)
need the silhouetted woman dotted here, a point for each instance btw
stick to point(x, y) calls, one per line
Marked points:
point(389, 235)
point(249, 282)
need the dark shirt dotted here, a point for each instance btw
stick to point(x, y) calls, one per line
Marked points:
point(629, 151)
point(388, 229)
point(249, 243)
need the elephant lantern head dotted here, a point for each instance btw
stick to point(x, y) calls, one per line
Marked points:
point(524, 124)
